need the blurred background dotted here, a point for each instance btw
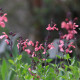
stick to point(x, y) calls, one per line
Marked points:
point(29, 18)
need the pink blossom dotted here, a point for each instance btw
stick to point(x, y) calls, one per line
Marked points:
point(5, 35)
point(72, 31)
point(28, 51)
point(24, 45)
point(61, 49)
point(44, 51)
point(29, 69)
point(64, 36)
point(30, 43)
point(63, 24)
point(54, 27)
point(68, 51)
point(70, 45)
point(48, 28)
point(7, 41)
point(33, 54)
point(36, 43)
point(36, 49)
point(18, 45)
point(69, 36)
point(69, 25)
point(51, 28)
point(2, 36)
point(41, 47)
point(50, 46)
point(3, 18)
point(61, 46)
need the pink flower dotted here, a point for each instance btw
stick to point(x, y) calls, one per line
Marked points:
point(33, 54)
point(63, 24)
point(36, 49)
point(61, 46)
point(29, 69)
point(48, 28)
point(41, 47)
point(70, 45)
point(18, 46)
point(69, 36)
point(3, 18)
point(69, 25)
point(7, 41)
point(54, 27)
point(5, 35)
point(2, 36)
point(30, 43)
point(44, 51)
point(72, 31)
point(51, 28)
point(24, 45)
point(50, 46)
point(28, 51)
point(68, 51)
point(36, 43)
point(61, 49)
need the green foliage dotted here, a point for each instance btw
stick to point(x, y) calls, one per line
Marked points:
point(6, 73)
point(60, 71)
point(4, 70)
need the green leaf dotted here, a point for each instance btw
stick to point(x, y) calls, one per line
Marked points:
point(19, 57)
point(11, 75)
point(11, 61)
point(35, 59)
point(58, 56)
point(48, 60)
point(61, 69)
point(4, 70)
point(72, 61)
point(66, 56)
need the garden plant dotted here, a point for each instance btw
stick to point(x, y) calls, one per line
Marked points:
point(29, 60)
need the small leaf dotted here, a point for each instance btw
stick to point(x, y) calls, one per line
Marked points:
point(11, 61)
point(66, 56)
point(4, 70)
point(58, 56)
point(48, 60)
point(20, 57)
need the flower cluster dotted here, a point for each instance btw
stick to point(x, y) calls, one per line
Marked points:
point(2, 20)
point(70, 27)
point(23, 45)
point(49, 28)
point(67, 49)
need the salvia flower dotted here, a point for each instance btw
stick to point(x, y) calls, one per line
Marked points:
point(50, 46)
point(7, 41)
point(61, 45)
point(4, 35)
point(49, 28)
point(2, 20)
point(28, 51)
